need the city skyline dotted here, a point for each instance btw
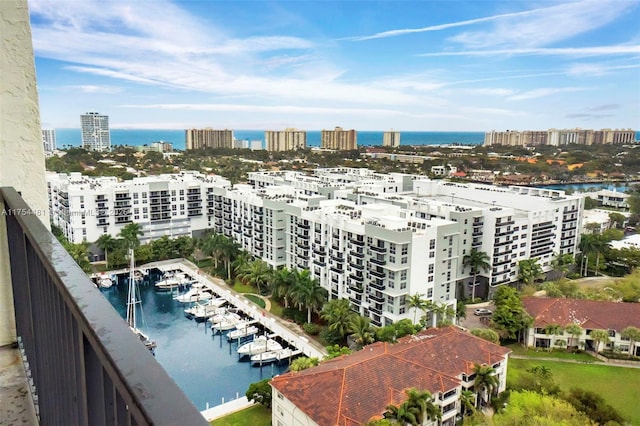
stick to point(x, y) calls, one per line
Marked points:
point(472, 66)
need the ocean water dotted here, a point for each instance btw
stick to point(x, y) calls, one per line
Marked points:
point(72, 137)
point(204, 365)
point(590, 187)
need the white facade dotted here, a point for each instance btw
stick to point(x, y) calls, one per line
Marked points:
point(95, 132)
point(49, 140)
point(174, 205)
point(391, 138)
point(607, 198)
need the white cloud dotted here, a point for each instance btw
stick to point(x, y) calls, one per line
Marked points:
point(89, 88)
point(596, 70)
point(551, 51)
point(542, 92)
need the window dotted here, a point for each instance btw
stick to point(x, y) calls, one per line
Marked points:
point(432, 244)
point(403, 275)
point(432, 254)
point(431, 267)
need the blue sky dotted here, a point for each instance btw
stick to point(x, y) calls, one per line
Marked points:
point(407, 65)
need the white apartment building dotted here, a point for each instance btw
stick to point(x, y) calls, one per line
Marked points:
point(95, 132)
point(174, 205)
point(285, 140)
point(49, 140)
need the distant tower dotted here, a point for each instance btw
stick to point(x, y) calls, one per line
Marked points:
point(209, 138)
point(95, 132)
point(285, 140)
point(339, 139)
point(391, 138)
point(49, 140)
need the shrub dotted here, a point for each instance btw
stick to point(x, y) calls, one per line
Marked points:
point(593, 405)
point(310, 328)
point(297, 316)
point(331, 337)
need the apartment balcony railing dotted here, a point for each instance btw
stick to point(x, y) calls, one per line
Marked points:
point(86, 365)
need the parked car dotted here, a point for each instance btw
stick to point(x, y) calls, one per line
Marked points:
point(482, 312)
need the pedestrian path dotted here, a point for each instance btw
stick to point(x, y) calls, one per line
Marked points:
point(226, 408)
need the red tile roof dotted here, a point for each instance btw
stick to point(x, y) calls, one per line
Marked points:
point(352, 389)
point(589, 314)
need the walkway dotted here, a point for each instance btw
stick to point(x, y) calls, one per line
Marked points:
point(16, 405)
point(226, 408)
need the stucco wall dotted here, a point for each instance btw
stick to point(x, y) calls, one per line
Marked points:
point(21, 149)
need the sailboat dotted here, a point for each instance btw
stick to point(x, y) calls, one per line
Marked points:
point(132, 301)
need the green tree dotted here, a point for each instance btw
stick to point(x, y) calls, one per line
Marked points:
point(561, 263)
point(336, 351)
point(256, 273)
point(617, 219)
point(594, 406)
point(467, 402)
point(634, 203)
point(260, 392)
point(633, 335)
point(425, 408)
point(477, 261)
point(509, 318)
point(485, 383)
point(106, 243)
point(575, 331)
point(130, 233)
point(308, 293)
point(282, 282)
point(486, 334)
point(529, 271)
point(303, 363)
point(338, 314)
point(444, 314)
point(416, 302)
point(361, 330)
point(402, 414)
point(79, 253)
point(590, 203)
point(599, 337)
point(529, 408)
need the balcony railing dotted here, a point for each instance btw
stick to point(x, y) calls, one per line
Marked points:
point(87, 366)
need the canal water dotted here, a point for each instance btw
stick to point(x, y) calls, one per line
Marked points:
point(590, 187)
point(204, 365)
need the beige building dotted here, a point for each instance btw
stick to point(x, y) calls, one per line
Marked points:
point(208, 138)
point(558, 137)
point(339, 139)
point(285, 140)
point(391, 138)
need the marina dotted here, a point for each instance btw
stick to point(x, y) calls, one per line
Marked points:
point(197, 342)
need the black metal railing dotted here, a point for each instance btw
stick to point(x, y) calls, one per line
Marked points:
point(87, 366)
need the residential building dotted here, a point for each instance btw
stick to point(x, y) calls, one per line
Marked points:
point(590, 315)
point(359, 387)
point(159, 146)
point(49, 140)
point(95, 132)
point(61, 344)
point(608, 198)
point(561, 137)
point(208, 138)
point(339, 139)
point(391, 138)
point(173, 205)
point(285, 140)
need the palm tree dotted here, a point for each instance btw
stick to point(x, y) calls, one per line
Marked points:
point(308, 293)
point(425, 407)
point(338, 314)
point(256, 273)
point(402, 414)
point(600, 245)
point(282, 282)
point(360, 329)
point(211, 245)
point(529, 271)
point(477, 260)
point(553, 330)
point(417, 302)
point(130, 234)
point(575, 331)
point(106, 243)
point(561, 263)
point(443, 313)
point(228, 250)
point(599, 337)
point(633, 335)
point(467, 402)
point(486, 382)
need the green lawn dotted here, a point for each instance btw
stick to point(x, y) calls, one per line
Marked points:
point(256, 415)
point(518, 349)
point(255, 299)
point(617, 385)
point(276, 308)
point(240, 287)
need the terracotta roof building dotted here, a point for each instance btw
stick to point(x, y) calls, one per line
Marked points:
point(353, 389)
point(588, 314)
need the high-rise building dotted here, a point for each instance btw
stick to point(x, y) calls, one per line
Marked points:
point(285, 140)
point(95, 132)
point(557, 137)
point(339, 139)
point(208, 138)
point(49, 140)
point(391, 138)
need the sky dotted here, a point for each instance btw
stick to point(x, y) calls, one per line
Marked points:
point(442, 65)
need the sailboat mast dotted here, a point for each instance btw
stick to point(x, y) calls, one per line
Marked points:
point(131, 300)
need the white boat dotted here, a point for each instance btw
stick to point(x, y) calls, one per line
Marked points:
point(194, 295)
point(132, 301)
point(203, 311)
point(265, 357)
point(170, 281)
point(239, 333)
point(230, 322)
point(259, 345)
point(105, 281)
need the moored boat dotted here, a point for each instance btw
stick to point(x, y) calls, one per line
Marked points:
point(194, 294)
point(239, 333)
point(229, 322)
point(259, 345)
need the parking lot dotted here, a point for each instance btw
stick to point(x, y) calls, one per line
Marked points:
point(474, 321)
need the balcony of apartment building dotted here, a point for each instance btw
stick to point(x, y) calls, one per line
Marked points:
point(82, 364)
